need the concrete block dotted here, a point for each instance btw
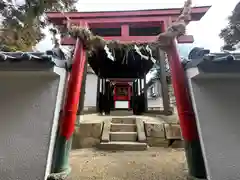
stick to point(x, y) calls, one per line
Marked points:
point(90, 129)
point(80, 141)
point(106, 131)
point(154, 129)
point(173, 131)
point(157, 142)
point(89, 142)
point(87, 135)
point(76, 139)
point(141, 131)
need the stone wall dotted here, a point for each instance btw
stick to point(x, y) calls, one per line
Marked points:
point(162, 131)
point(87, 135)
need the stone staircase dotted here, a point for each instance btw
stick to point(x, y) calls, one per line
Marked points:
point(123, 134)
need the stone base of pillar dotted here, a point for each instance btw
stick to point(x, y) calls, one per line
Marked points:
point(61, 167)
point(62, 175)
point(196, 166)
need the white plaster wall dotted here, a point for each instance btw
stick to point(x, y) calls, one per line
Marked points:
point(155, 102)
point(27, 114)
point(91, 91)
point(217, 111)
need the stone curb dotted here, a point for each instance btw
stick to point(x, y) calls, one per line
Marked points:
point(106, 131)
point(141, 130)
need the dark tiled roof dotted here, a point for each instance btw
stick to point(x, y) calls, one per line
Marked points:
point(217, 62)
point(54, 57)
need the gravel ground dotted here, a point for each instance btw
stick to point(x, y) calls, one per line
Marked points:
point(153, 164)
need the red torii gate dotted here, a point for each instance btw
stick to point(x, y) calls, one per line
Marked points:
point(124, 21)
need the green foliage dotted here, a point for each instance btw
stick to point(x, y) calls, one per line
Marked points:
point(231, 33)
point(22, 24)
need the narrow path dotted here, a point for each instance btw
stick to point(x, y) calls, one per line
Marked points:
point(153, 164)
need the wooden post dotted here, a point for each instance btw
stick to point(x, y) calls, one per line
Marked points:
point(139, 87)
point(98, 94)
point(140, 84)
point(164, 85)
point(145, 93)
point(136, 97)
point(133, 96)
point(107, 94)
point(101, 96)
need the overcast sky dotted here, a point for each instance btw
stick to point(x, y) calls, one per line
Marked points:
point(205, 32)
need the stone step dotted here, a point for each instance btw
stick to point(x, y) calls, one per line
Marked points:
point(123, 136)
point(121, 113)
point(126, 146)
point(123, 127)
point(124, 120)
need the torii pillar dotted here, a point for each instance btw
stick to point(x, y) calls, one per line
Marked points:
point(186, 114)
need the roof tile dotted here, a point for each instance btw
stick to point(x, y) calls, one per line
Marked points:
point(54, 57)
point(200, 57)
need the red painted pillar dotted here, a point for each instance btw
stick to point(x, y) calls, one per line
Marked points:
point(69, 115)
point(129, 96)
point(186, 115)
point(184, 106)
point(73, 91)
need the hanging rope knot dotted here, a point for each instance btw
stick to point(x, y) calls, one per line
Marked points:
point(177, 28)
point(84, 34)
